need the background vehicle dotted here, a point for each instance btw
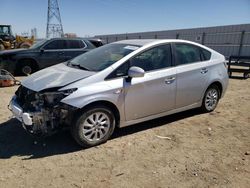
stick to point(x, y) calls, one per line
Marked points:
point(96, 42)
point(8, 41)
point(43, 54)
point(121, 84)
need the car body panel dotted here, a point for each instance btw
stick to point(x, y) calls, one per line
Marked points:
point(152, 92)
point(191, 83)
point(54, 77)
point(48, 58)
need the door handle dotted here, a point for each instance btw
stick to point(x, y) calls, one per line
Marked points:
point(61, 53)
point(204, 70)
point(169, 80)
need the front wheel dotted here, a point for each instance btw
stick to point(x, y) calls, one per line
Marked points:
point(211, 99)
point(94, 126)
point(26, 69)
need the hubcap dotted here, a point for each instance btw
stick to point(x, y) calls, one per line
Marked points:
point(211, 99)
point(96, 126)
point(27, 70)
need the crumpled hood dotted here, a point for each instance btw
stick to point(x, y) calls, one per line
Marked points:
point(56, 76)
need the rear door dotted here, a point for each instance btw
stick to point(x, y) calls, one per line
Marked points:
point(191, 74)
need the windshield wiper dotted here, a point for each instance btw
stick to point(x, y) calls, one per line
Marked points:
point(77, 65)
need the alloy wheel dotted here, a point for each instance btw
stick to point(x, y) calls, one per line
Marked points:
point(96, 126)
point(27, 70)
point(211, 99)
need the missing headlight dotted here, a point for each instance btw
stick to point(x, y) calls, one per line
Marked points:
point(52, 98)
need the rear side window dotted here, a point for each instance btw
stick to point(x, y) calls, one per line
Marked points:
point(55, 45)
point(187, 53)
point(206, 54)
point(75, 44)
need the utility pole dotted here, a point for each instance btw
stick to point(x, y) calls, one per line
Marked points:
point(54, 23)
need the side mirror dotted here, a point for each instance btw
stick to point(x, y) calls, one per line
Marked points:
point(41, 50)
point(135, 72)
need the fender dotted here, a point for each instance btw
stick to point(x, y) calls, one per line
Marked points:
point(84, 96)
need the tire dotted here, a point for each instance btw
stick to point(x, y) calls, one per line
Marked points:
point(25, 45)
point(2, 47)
point(246, 75)
point(26, 67)
point(210, 99)
point(89, 128)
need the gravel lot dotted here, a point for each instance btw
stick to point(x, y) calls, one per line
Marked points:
point(201, 150)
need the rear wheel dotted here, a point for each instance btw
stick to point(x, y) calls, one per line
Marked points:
point(211, 99)
point(94, 126)
point(246, 75)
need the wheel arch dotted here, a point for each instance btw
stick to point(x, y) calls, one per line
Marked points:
point(219, 85)
point(106, 103)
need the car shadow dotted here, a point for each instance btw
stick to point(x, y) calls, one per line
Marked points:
point(14, 141)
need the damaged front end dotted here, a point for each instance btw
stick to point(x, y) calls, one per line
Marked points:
point(42, 113)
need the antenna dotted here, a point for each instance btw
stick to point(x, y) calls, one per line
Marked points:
point(54, 23)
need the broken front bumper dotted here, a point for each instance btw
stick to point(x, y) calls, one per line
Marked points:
point(17, 111)
point(42, 121)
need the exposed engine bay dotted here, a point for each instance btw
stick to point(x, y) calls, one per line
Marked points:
point(48, 114)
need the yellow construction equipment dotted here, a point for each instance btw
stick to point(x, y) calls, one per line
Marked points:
point(9, 41)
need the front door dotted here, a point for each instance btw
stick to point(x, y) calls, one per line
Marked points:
point(53, 53)
point(155, 92)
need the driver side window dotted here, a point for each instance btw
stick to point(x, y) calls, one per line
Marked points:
point(156, 58)
point(120, 71)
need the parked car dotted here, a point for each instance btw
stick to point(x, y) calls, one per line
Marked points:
point(120, 84)
point(43, 54)
point(96, 42)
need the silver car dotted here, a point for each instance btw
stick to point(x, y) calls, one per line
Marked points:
point(120, 84)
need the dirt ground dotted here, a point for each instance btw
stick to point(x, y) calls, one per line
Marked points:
point(204, 150)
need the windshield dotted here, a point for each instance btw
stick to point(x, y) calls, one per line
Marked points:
point(38, 44)
point(103, 57)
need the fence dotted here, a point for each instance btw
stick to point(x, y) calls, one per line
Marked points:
point(228, 40)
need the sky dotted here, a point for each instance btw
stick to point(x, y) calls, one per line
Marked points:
point(95, 17)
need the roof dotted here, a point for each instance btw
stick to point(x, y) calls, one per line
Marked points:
point(143, 42)
point(139, 42)
point(73, 38)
